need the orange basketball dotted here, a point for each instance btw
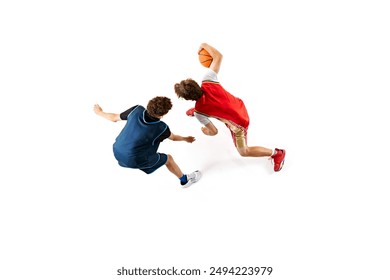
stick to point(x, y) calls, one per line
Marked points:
point(205, 58)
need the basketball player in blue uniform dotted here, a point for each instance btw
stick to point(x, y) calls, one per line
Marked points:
point(137, 144)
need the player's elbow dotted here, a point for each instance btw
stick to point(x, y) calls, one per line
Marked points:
point(114, 117)
point(213, 132)
point(217, 56)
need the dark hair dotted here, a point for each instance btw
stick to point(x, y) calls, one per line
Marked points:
point(159, 106)
point(188, 89)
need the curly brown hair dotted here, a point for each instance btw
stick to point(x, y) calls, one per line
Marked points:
point(188, 89)
point(159, 106)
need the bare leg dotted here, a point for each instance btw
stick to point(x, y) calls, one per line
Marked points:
point(254, 151)
point(173, 167)
point(245, 151)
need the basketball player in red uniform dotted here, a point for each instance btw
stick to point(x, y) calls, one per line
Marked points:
point(213, 101)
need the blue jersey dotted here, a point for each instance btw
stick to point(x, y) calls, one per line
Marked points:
point(137, 144)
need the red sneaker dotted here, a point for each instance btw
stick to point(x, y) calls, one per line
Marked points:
point(190, 112)
point(278, 158)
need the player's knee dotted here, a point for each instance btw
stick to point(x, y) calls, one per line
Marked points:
point(170, 159)
point(243, 152)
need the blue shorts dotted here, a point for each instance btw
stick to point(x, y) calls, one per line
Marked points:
point(149, 165)
point(161, 160)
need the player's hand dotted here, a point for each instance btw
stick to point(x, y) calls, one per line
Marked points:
point(189, 139)
point(97, 109)
point(201, 47)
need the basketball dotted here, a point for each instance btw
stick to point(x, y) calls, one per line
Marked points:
point(205, 58)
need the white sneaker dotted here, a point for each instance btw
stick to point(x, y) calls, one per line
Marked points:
point(192, 178)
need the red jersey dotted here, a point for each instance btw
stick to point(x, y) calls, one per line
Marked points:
point(218, 103)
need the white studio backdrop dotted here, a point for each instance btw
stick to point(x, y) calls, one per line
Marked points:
point(314, 77)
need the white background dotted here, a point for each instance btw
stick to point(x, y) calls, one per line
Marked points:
point(314, 76)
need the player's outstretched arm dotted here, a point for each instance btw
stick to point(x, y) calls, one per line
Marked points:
point(175, 137)
point(217, 56)
point(109, 116)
